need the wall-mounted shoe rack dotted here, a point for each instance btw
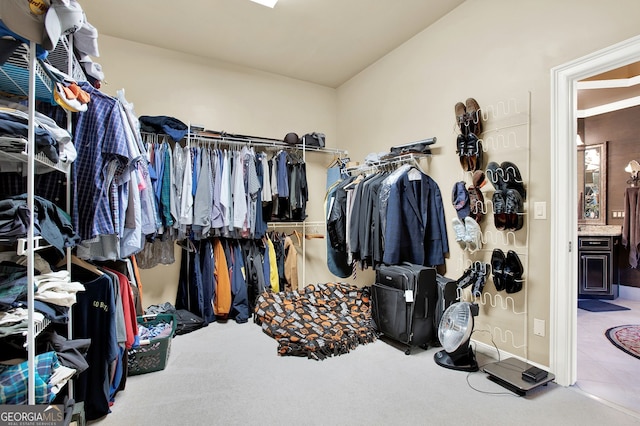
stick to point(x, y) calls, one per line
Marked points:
point(506, 137)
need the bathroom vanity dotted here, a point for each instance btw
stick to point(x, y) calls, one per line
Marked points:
point(598, 274)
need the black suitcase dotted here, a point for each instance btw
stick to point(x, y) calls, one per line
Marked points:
point(404, 300)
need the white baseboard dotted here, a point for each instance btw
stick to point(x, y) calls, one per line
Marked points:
point(490, 351)
point(629, 293)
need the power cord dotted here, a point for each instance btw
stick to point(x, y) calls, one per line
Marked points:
point(480, 369)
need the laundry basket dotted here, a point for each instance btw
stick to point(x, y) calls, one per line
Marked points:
point(151, 355)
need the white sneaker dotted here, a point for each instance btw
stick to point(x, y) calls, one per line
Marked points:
point(461, 232)
point(474, 233)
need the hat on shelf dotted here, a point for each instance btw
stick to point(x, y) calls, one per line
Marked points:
point(63, 17)
point(85, 40)
point(93, 69)
point(292, 139)
point(42, 21)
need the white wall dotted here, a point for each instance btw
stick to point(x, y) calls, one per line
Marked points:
point(492, 50)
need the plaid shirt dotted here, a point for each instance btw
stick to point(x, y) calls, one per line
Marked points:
point(13, 380)
point(100, 141)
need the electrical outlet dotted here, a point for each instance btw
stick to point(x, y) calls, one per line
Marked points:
point(538, 327)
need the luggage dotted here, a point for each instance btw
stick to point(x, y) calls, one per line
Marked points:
point(403, 304)
point(187, 321)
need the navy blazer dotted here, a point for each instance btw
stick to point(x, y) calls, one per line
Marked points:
point(416, 231)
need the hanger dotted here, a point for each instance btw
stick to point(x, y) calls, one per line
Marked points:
point(310, 236)
point(335, 162)
point(75, 260)
point(297, 235)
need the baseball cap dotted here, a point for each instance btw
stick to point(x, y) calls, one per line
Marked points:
point(460, 199)
point(63, 17)
point(85, 40)
point(42, 21)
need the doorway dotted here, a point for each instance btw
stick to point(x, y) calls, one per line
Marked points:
point(563, 258)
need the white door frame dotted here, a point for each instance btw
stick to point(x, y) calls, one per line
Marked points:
point(564, 200)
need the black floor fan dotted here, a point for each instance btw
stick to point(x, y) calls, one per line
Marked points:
point(454, 333)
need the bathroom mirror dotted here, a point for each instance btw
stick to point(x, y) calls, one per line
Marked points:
point(592, 184)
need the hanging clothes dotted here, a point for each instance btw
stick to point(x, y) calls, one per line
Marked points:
point(631, 225)
point(95, 318)
point(387, 218)
point(290, 264)
point(416, 230)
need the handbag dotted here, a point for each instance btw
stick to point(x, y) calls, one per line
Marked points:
point(314, 139)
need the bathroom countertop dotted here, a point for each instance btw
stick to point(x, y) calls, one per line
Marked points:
point(599, 230)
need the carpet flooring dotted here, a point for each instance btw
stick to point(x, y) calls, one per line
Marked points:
point(595, 305)
point(231, 374)
point(626, 338)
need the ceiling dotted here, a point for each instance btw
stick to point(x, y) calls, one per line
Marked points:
point(609, 91)
point(321, 41)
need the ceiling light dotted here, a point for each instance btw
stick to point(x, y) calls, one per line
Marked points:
point(268, 3)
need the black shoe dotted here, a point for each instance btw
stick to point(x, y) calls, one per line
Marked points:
point(495, 175)
point(513, 271)
point(461, 150)
point(467, 278)
point(499, 212)
point(472, 148)
point(479, 157)
point(497, 269)
point(513, 210)
point(513, 178)
point(481, 278)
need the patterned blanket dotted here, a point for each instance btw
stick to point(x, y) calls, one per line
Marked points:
point(317, 321)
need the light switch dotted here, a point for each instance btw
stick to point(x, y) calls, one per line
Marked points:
point(540, 210)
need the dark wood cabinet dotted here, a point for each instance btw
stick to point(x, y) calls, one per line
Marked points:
point(597, 267)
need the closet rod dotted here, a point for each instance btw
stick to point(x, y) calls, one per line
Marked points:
point(396, 160)
point(227, 139)
point(307, 224)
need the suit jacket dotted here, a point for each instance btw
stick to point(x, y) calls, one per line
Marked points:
point(416, 230)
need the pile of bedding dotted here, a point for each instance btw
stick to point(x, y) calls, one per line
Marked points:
point(318, 321)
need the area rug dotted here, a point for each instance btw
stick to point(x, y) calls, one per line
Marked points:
point(595, 305)
point(318, 321)
point(625, 337)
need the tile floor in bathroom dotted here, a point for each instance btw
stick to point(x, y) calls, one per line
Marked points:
point(604, 370)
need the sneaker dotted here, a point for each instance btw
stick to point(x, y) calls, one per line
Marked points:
point(474, 234)
point(461, 232)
